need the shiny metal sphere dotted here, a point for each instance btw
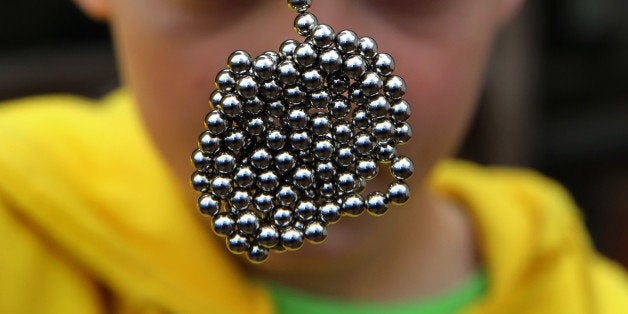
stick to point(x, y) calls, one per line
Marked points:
point(261, 158)
point(347, 41)
point(264, 203)
point(200, 159)
point(300, 140)
point(208, 205)
point(305, 55)
point(288, 72)
point(264, 67)
point(327, 190)
point(294, 95)
point(215, 98)
point(255, 126)
point(354, 66)
point(225, 163)
point(361, 118)
point(247, 87)
point(398, 193)
point(345, 156)
point(367, 47)
point(338, 83)
point(353, 205)
point(248, 223)
point(377, 204)
point(225, 81)
point(223, 224)
point(209, 143)
point(330, 213)
point(286, 50)
point(258, 254)
point(343, 133)
point(216, 122)
point(325, 171)
point(297, 118)
point(268, 236)
point(235, 141)
point(347, 182)
point(244, 177)
point(320, 99)
point(238, 243)
point(239, 62)
point(304, 23)
point(395, 87)
point(276, 139)
point(378, 107)
point(383, 130)
point(384, 64)
point(305, 210)
point(313, 80)
point(267, 181)
point(330, 61)
point(324, 149)
point(231, 106)
point(270, 90)
point(323, 36)
point(285, 162)
point(403, 133)
point(222, 187)
point(371, 84)
point(385, 152)
point(287, 196)
point(321, 124)
point(276, 109)
point(315, 232)
point(401, 110)
point(339, 107)
point(282, 217)
point(299, 5)
point(240, 200)
point(402, 167)
point(363, 144)
point(292, 238)
point(367, 169)
point(303, 178)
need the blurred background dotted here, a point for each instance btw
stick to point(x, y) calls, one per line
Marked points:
point(556, 97)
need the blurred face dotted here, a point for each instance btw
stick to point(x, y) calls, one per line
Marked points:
point(171, 50)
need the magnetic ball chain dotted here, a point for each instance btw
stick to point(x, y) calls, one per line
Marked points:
point(294, 136)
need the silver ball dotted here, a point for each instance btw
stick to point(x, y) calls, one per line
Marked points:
point(303, 178)
point(292, 238)
point(288, 73)
point(367, 47)
point(360, 185)
point(264, 66)
point(273, 55)
point(401, 110)
point(299, 5)
point(208, 205)
point(402, 167)
point(294, 95)
point(261, 159)
point(320, 99)
point(253, 106)
point(383, 130)
point(235, 141)
point(237, 243)
point(300, 140)
point(371, 84)
point(275, 139)
point(221, 187)
point(345, 156)
point(338, 83)
point(223, 224)
point(378, 107)
point(403, 133)
point(282, 217)
point(239, 62)
point(248, 222)
point(247, 87)
point(361, 118)
point(276, 109)
point(231, 106)
point(325, 171)
point(257, 254)
point(268, 236)
point(377, 204)
point(286, 50)
point(244, 177)
point(264, 203)
point(398, 192)
point(385, 152)
point(367, 169)
point(330, 213)
point(363, 144)
point(323, 149)
point(209, 144)
point(215, 122)
point(305, 210)
point(320, 124)
point(353, 205)
point(343, 133)
point(315, 232)
point(347, 41)
point(215, 98)
point(323, 36)
point(356, 95)
point(225, 81)
point(395, 87)
point(297, 118)
point(305, 55)
point(347, 182)
point(354, 66)
point(287, 196)
point(200, 181)
point(270, 90)
point(255, 126)
point(384, 64)
point(267, 181)
point(240, 200)
point(339, 107)
point(312, 80)
point(327, 190)
point(304, 23)
point(285, 162)
point(330, 61)
point(200, 159)
point(225, 163)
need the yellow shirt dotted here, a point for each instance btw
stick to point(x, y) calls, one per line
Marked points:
point(91, 221)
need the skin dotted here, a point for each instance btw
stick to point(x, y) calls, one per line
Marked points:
point(170, 50)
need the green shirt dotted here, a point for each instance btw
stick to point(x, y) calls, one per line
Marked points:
point(289, 300)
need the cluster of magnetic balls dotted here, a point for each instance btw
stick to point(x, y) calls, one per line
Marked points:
point(294, 136)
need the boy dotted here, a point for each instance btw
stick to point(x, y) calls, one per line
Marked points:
point(97, 216)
